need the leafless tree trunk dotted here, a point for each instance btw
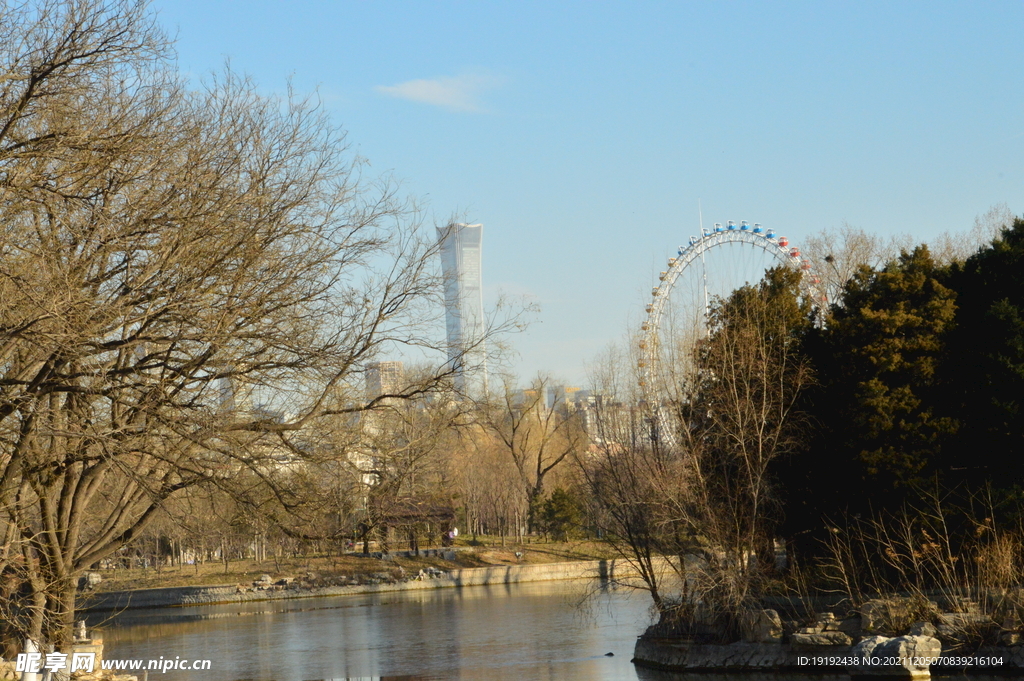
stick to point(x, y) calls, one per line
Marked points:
point(191, 287)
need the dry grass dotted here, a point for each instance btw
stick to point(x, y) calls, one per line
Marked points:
point(954, 567)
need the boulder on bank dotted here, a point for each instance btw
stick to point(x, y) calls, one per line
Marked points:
point(923, 629)
point(909, 656)
point(822, 638)
point(89, 581)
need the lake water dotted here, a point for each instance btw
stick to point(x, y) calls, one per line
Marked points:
point(518, 631)
point(528, 631)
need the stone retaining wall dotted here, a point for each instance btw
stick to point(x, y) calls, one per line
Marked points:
point(742, 656)
point(152, 598)
point(739, 656)
point(229, 593)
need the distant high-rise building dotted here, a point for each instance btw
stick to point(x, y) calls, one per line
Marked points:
point(383, 378)
point(464, 305)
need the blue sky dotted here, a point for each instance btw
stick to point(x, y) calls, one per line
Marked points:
point(582, 135)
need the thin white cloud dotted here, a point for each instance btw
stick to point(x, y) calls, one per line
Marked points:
point(458, 93)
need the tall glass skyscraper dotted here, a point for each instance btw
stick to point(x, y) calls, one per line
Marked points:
point(464, 305)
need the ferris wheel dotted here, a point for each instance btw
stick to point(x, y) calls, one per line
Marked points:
point(711, 266)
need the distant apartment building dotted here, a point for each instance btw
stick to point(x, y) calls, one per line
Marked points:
point(464, 306)
point(584, 404)
point(561, 394)
point(525, 399)
point(383, 378)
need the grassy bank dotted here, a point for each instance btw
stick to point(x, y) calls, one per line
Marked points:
point(333, 569)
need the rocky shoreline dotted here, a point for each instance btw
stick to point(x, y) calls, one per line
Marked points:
point(743, 656)
point(831, 646)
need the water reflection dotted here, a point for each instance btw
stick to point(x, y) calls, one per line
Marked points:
point(516, 631)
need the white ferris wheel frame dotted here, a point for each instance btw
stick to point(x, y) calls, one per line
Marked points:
point(766, 239)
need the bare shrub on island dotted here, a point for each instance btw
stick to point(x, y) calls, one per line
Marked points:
point(707, 502)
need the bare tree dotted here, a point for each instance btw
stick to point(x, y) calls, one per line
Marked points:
point(836, 254)
point(536, 437)
point(175, 267)
point(628, 488)
point(489, 485)
point(948, 248)
point(742, 418)
point(404, 467)
point(712, 493)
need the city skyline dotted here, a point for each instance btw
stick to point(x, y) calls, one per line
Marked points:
point(585, 135)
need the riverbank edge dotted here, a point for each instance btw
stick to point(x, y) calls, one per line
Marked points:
point(607, 569)
point(743, 657)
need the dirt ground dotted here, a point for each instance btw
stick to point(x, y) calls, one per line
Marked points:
point(336, 569)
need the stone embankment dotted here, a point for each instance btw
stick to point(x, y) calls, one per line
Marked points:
point(265, 589)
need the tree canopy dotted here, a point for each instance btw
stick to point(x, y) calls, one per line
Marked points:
point(985, 365)
point(887, 339)
point(191, 285)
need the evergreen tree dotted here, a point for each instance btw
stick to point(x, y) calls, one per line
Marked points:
point(986, 365)
point(883, 421)
point(561, 513)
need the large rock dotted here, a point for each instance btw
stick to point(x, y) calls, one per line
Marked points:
point(89, 580)
point(923, 629)
point(761, 626)
point(823, 638)
point(965, 620)
point(905, 657)
point(850, 626)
